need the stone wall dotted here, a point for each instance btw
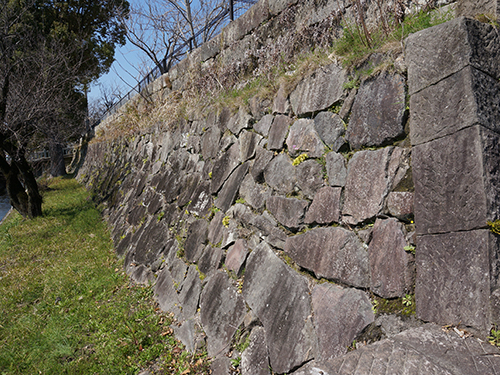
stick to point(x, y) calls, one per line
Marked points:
point(279, 223)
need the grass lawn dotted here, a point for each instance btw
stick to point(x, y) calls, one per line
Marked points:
point(66, 305)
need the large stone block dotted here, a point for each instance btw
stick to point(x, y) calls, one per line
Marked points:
point(255, 359)
point(224, 166)
point(196, 239)
point(254, 194)
point(378, 112)
point(319, 90)
point(391, 274)
point(370, 176)
point(466, 98)
point(456, 181)
point(340, 314)
point(280, 174)
point(303, 137)
point(278, 132)
point(440, 51)
point(453, 284)
point(333, 253)
point(336, 169)
point(249, 21)
point(231, 186)
point(222, 311)
point(281, 300)
point(329, 127)
point(309, 177)
point(325, 208)
point(288, 211)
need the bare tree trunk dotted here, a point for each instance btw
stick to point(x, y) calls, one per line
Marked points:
point(57, 165)
point(25, 198)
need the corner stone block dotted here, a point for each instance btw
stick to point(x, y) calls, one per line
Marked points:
point(453, 284)
point(280, 298)
point(456, 181)
point(440, 51)
point(333, 253)
point(222, 310)
point(391, 275)
point(318, 91)
point(340, 314)
point(466, 98)
point(378, 112)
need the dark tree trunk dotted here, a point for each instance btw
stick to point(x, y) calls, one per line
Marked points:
point(21, 183)
point(57, 165)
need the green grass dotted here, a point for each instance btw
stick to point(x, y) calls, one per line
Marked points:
point(353, 47)
point(67, 306)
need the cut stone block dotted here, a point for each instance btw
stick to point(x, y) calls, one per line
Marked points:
point(336, 169)
point(224, 166)
point(391, 275)
point(333, 253)
point(340, 314)
point(248, 142)
point(241, 120)
point(309, 177)
point(210, 259)
point(201, 200)
point(281, 300)
point(400, 204)
point(222, 311)
point(255, 359)
point(466, 98)
point(216, 229)
point(318, 91)
point(440, 51)
point(329, 126)
point(231, 186)
point(370, 175)
point(166, 293)
point(236, 256)
point(325, 208)
point(262, 159)
point(456, 181)
point(378, 112)
point(262, 127)
point(278, 132)
point(196, 239)
point(254, 194)
point(453, 284)
point(280, 174)
point(189, 295)
point(288, 211)
point(303, 138)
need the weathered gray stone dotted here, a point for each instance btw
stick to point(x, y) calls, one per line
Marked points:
point(220, 366)
point(400, 204)
point(140, 274)
point(241, 120)
point(370, 175)
point(262, 127)
point(329, 127)
point(281, 300)
point(248, 142)
point(210, 143)
point(281, 104)
point(210, 259)
point(304, 138)
point(280, 174)
point(456, 181)
point(288, 211)
point(466, 98)
point(262, 159)
point(378, 112)
point(216, 229)
point(336, 169)
point(325, 208)
point(340, 314)
point(268, 230)
point(201, 200)
point(224, 166)
point(391, 275)
point(254, 194)
point(255, 359)
point(318, 91)
point(236, 256)
point(333, 253)
point(166, 293)
point(427, 350)
point(189, 184)
point(222, 311)
point(347, 105)
point(475, 8)
point(250, 20)
point(150, 243)
point(196, 239)
point(177, 269)
point(309, 177)
point(440, 51)
point(228, 192)
point(453, 284)
point(278, 132)
point(189, 295)
point(185, 333)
